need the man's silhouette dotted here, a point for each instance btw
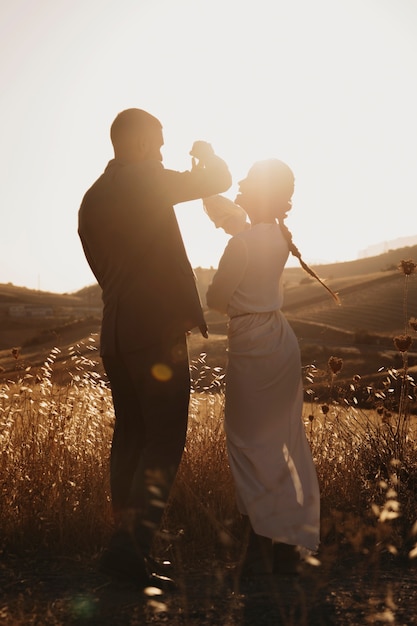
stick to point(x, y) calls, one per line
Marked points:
point(133, 245)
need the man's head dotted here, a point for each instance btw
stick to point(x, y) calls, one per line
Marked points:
point(137, 136)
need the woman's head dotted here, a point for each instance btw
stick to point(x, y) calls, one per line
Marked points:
point(266, 192)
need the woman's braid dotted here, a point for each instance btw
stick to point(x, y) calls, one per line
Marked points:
point(295, 252)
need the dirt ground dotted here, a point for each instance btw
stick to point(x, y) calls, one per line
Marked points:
point(60, 591)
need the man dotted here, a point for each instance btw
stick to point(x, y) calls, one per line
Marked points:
point(133, 245)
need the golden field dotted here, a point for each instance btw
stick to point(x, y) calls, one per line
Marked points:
point(56, 422)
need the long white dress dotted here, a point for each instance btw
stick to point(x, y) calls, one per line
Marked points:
point(269, 455)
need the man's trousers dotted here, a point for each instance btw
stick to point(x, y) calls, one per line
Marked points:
point(150, 389)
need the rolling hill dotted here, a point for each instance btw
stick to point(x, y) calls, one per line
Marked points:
point(373, 292)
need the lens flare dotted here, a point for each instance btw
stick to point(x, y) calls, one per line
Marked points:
point(84, 607)
point(161, 372)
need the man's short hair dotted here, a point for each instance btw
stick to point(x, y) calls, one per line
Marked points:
point(132, 122)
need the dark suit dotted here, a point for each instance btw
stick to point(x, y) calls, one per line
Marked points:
point(133, 245)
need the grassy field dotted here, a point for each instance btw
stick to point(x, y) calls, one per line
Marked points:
point(56, 421)
point(54, 502)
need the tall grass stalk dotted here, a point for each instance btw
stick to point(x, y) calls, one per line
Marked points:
point(54, 459)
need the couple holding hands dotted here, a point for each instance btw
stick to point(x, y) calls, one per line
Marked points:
point(133, 245)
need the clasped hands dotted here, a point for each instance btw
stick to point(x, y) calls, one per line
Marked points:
point(201, 152)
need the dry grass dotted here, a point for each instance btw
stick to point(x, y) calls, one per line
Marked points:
point(55, 443)
point(54, 499)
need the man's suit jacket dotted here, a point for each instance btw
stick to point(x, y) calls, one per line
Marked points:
point(133, 245)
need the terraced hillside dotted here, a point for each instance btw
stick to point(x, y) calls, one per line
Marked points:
point(361, 330)
point(380, 303)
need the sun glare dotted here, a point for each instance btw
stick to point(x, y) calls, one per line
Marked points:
point(276, 79)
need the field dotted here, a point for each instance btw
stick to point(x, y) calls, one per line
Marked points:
point(55, 430)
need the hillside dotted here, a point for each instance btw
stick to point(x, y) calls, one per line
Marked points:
point(371, 290)
point(25, 313)
point(373, 303)
point(369, 265)
point(385, 246)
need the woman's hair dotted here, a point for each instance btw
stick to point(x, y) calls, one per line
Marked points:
point(295, 252)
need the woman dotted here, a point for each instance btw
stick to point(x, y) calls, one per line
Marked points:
point(270, 459)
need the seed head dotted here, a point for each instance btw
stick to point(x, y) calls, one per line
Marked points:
point(325, 409)
point(386, 417)
point(403, 342)
point(413, 323)
point(16, 352)
point(311, 417)
point(335, 364)
point(407, 267)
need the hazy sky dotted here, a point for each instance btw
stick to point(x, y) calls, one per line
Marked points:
point(328, 86)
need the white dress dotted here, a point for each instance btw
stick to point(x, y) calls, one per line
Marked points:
point(269, 455)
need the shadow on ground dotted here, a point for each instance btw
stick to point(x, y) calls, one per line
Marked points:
point(65, 591)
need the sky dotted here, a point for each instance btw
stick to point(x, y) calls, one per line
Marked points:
point(327, 86)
